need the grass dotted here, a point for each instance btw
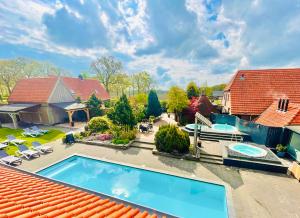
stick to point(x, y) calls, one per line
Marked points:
point(52, 135)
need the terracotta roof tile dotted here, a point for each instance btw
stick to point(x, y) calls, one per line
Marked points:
point(38, 90)
point(275, 118)
point(33, 90)
point(86, 87)
point(24, 196)
point(252, 91)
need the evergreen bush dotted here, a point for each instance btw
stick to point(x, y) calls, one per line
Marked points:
point(170, 138)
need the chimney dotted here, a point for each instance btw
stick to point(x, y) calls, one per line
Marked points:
point(286, 105)
point(80, 77)
point(279, 104)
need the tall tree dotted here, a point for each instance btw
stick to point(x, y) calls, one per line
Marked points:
point(10, 72)
point(119, 84)
point(122, 113)
point(105, 67)
point(153, 107)
point(142, 82)
point(192, 90)
point(177, 101)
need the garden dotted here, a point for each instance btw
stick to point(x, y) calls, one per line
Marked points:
point(119, 125)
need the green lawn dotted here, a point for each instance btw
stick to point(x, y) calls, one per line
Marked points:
point(52, 135)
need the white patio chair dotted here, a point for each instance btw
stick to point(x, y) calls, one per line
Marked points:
point(27, 153)
point(41, 131)
point(9, 159)
point(41, 148)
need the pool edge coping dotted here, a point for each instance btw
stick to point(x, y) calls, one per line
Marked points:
point(228, 191)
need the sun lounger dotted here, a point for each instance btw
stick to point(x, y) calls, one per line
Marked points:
point(31, 133)
point(14, 140)
point(27, 153)
point(37, 129)
point(41, 148)
point(9, 159)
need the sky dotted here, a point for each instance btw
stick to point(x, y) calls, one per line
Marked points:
point(176, 41)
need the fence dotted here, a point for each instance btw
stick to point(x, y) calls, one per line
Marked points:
point(260, 134)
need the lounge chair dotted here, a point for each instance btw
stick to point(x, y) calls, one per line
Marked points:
point(14, 140)
point(31, 133)
point(27, 153)
point(9, 159)
point(41, 148)
point(37, 129)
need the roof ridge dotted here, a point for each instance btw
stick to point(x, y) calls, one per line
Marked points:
point(269, 69)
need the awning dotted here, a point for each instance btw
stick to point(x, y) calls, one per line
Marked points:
point(15, 108)
point(70, 106)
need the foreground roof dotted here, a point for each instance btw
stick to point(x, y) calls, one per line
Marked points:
point(252, 91)
point(39, 90)
point(26, 195)
point(275, 118)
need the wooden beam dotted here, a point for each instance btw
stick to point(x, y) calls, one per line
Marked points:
point(13, 116)
point(87, 114)
point(70, 113)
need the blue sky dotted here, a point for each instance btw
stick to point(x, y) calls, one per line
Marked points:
point(174, 40)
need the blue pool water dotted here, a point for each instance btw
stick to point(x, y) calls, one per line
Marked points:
point(224, 128)
point(192, 126)
point(215, 127)
point(170, 194)
point(248, 150)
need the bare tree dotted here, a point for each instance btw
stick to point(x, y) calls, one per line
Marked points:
point(105, 68)
point(10, 72)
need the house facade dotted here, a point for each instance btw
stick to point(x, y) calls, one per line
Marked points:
point(51, 100)
point(251, 92)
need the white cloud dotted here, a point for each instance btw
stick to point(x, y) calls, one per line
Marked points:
point(251, 39)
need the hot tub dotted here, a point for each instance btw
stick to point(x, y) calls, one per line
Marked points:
point(249, 150)
point(223, 128)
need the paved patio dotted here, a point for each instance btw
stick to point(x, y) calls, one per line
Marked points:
point(254, 193)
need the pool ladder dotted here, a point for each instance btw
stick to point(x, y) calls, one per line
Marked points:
point(235, 138)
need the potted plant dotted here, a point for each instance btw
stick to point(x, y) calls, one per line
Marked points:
point(281, 150)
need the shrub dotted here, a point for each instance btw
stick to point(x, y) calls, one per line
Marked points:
point(103, 137)
point(94, 106)
point(128, 134)
point(98, 124)
point(120, 141)
point(281, 148)
point(163, 106)
point(78, 136)
point(85, 133)
point(170, 138)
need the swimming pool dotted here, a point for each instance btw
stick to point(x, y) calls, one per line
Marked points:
point(248, 150)
point(215, 127)
point(173, 195)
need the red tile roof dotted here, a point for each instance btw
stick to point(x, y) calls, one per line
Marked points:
point(24, 195)
point(252, 91)
point(86, 87)
point(33, 90)
point(275, 118)
point(38, 90)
